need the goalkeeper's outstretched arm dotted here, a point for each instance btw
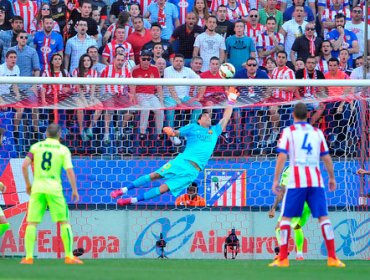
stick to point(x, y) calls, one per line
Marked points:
point(226, 117)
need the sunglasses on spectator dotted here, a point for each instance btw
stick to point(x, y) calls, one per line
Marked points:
point(310, 28)
point(146, 59)
point(252, 65)
point(253, 16)
point(23, 37)
point(45, 9)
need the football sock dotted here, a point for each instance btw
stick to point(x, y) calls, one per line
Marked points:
point(299, 239)
point(139, 182)
point(284, 238)
point(149, 194)
point(328, 234)
point(4, 228)
point(29, 240)
point(67, 238)
point(277, 234)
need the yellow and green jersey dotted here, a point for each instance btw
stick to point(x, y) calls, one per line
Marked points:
point(49, 157)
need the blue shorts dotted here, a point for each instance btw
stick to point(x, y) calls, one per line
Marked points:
point(179, 174)
point(294, 200)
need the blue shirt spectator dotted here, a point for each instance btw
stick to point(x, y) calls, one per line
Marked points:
point(349, 38)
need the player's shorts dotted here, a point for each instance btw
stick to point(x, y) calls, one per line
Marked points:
point(40, 201)
point(1, 212)
point(301, 221)
point(294, 199)
point(179, 174)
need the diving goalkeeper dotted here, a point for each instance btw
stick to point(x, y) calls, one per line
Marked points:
point(297, 222)
point(180, 172)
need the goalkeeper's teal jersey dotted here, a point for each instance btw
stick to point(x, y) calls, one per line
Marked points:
point(201, 142)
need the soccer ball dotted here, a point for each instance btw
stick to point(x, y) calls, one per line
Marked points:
point(227, 70)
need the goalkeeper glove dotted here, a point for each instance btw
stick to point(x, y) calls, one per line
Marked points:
point(232, 95)
point(169, 131)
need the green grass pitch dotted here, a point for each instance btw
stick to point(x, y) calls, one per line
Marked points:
point(180, 269)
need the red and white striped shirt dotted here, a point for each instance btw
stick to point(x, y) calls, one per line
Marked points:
point(283, 73)
point(265, 43)
point(92, 73)
point(110, 72)
point(27, 11)
point(251, 4)
point(322, 66)
point(305, 145)
point(144, 4)
point(235, 14)
point(254, 32)
point(110, 50)
point(112, 30)
point(35, 27)
point(58, 88)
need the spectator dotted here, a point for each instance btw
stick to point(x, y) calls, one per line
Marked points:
point(110, 48)
point(166, 14)
point(102, 8)
point(27, 10)
point(135, 11)
point(158, 53)
point(118, 95)
point(359, 61)
point(201, 12)
point(299, 64)
point(186, 34)
point(270, 66)
point(148, 96)
point(357, 26)
point(92, 51)
point(224, 27)
point(10, 68)
point(269, 43)
point(307, 45)
point(253, 28)
point(58, 11)
point(343, 62)
point(335, 73)
point(118, 7)
point(281, 72)
point(47, 42)
point(236, 10)
point(239, 47)
point(271, 11)
point(293, 28)
point(156, 31)
point(8, 38)
point(209, 44)
point(7, 7)
point(358, 72)
point(191, 198)
point(77, 45)
point(85, 14)
point(139, 37)
point(37, 22)
point(309, 16)
point(196, 64)
point(179, 95)
point(328, 16)
point(95, 15)
point(342, 38)
point(184, 7)
point(86, 96)
point(161, 65)
point(325, 55)
point(123, 20)
point(333, 5)
point(4, 22)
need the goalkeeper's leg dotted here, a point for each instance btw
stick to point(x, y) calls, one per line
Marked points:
point(153, 192)
point(141, 181)
point(299, 241)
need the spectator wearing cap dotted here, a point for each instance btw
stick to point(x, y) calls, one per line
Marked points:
point(166, 14)
point(7, 6)
point(191, 197)
point(4, 22)
point(8, 38)
point(149, 96)
point(156, 33)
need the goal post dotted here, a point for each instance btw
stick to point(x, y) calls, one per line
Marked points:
point(236, 183)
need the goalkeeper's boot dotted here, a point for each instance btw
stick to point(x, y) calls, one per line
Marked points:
point(73, 260)
point(280, 263)
point(116, 193)
point(299, 258)
point(27, 261)
point(123, 201)
point(335, 262)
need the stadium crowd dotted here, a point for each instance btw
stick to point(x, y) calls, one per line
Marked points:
point(266, 39)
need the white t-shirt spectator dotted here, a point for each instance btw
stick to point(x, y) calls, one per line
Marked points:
point(5, 71)
point(359, 30)
point(293, 30)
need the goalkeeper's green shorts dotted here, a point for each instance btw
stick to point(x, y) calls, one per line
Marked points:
point(302, 220)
